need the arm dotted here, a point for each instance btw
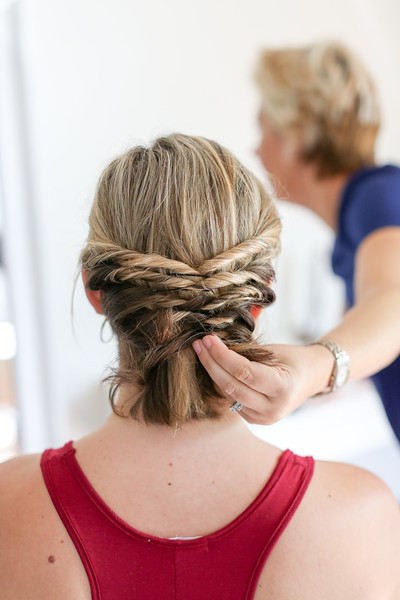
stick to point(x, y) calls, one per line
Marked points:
point(369, 333)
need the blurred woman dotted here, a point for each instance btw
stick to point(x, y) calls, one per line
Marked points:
point(174, 497)
point(319, 118)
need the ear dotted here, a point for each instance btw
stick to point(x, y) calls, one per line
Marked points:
point(92, 295)
point(255, 310)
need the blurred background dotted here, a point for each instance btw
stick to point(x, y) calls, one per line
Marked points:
point(83, 80)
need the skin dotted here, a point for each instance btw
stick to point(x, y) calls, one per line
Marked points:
point(177, 488)
point(368, 332)
point(166, 494)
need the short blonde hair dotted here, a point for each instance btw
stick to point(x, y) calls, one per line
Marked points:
point(180, 245)
point(323, 100)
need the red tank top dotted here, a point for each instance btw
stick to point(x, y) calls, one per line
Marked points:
point(124, 563)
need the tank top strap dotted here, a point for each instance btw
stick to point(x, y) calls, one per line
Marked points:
point(260, 526)
point(225, 564)
point(68, 498)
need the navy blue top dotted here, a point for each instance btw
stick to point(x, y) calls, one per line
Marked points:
point(370, 201)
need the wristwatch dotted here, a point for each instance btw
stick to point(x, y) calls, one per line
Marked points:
point(341, 368)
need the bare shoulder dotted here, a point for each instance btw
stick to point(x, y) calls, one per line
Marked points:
point(35, 550)
point(360, 519)
point(21, 493)
point(343, 541)
point(21, 507)
point(19, 478)
point(17, 464)
point(357, 495)
point(349, 481)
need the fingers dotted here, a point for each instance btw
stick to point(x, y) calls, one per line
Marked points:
point(267, 392)
point(254, 417)
point(236, 387)
point(216, 352)
point(259, 377)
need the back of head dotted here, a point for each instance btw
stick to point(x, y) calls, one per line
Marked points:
point(180, 245)
point(322, 98)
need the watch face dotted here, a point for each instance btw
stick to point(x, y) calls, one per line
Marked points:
point(342, 376)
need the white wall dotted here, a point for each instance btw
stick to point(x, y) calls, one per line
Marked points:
point(100, 76)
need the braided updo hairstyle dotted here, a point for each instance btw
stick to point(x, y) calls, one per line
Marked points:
point(180, 245)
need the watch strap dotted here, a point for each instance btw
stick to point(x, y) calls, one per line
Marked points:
point(341, 366)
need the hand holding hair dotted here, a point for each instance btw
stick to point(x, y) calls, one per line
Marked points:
point(268, 392)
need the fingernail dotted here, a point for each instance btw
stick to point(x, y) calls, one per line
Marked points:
point(207, 342)
point(197, 347)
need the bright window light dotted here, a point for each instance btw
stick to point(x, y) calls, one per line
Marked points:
point(8, 341)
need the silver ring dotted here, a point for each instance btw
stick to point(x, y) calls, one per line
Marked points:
point(237, 407)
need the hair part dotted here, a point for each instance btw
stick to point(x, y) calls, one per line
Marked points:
point(321, 98)
point(180, 245)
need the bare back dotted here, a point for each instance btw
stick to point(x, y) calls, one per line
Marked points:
point(343, 542)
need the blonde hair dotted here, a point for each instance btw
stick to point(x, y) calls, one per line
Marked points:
point(323, 100)
point(180, 245)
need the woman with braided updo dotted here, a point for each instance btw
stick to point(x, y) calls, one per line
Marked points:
point(184, 257)
point(173, 497)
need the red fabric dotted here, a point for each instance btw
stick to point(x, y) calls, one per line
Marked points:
point(124, 563)
point(255, 310)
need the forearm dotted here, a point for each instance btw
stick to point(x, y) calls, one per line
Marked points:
point(308, 369)
point(370, 332)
